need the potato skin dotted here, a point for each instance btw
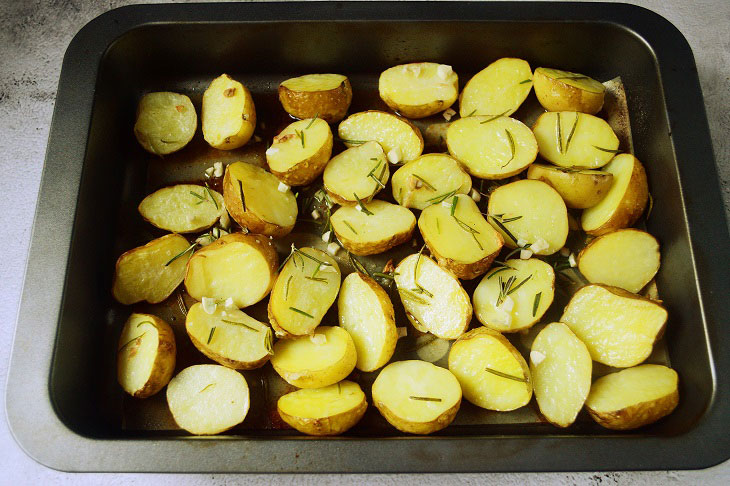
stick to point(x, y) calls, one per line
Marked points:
point(325, 426)
point(578, 190)
point(364, 249)
point(331, 105)
point(420, 428)
point(555, 95)
point(637, 415)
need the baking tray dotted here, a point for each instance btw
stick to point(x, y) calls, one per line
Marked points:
point(63, 404)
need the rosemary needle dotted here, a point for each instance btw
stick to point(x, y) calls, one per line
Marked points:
point(131, 341)
point(425, 399)
point(425, 182)
point(505, 375)
point(536, 303)
point(240, 324)
point(181, 254)
point(211, 195)
point(210, 336)
point(349, 226)
point(313, 119)
point(299, 311)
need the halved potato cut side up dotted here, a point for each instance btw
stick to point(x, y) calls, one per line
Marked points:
point(373, 227)
point(500, 88)
point(420, 89)
point(184, 208)
point(359, 172)
point(299, 154)
point(400, 139)
point(427, 179)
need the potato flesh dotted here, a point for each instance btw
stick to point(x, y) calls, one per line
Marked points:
point(328, 401)
point(622, 169)
point(347, 173)
point(387, 129)
point(632, 386)
point(442, 173)
point(165, 123)
point(486, 147)
point(627, 258)
point(229, 116)
point(314, 82)
point(416, 85)
point(294, 289)
point(618, 330)
point(497, 89)
point(579, 189)
point(541, 281)
point(579, 150)
point(562, 380)
point(447, 314)
point(142, 273)
point(208, 399)
point(574, 79)
point(262, 195)
point(445, 236)
point(176, 209)
point(541, 211)
point(137, 352)
point(468, 361)
point(288, 148)
point(388, 223)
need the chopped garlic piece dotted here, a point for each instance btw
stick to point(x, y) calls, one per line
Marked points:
point(358, 208)
point(204, 240)
point(228, 303)
point(537, 357)
point(394, 156)
point(272, 150)
point(209, 171)
point(333, 248)
point(521, 242)
point(571, 260)
point(525, 254)
point(326, 236)
point(283, 187)
point(539, 245)
point(218, 169)
point(209, 305)
point(318, 339)
point(448, 114)
point(507, 304)
point(225, 220)
point(475, 195)
point(444, 71)
point(401, 331)
point(315, 214)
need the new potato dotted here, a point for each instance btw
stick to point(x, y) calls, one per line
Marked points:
point(500, 88)
point(419, 89)
point(229, 115)
point(420, 182)
point(359, 172)
point(300, 152)
point(327, 96)
point(165, 122)
point(400, 139)
point(183, 208)
point(361, 233)
point(558, 90)
point(580, 189)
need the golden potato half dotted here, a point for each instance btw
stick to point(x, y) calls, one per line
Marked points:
point(417, 397)
point(565, 91)
point(500, 88)
point(633, 397)
point(184, 208)
point(331, 410)
point(427, 179)
point(359, 172)
point(299, 154)
point(229, 115)
point(374, 227)
point(145, 355)
point(327, 96)
point(165, 122)
point(400, 139)
point(579, 189)
point(419, 89)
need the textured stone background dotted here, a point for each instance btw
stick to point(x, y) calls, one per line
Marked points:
point(33, 37)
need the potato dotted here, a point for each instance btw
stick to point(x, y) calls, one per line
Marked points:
point(373, 227)
point(256, 201)
point(491, 148)
point(423, 181)
point(229, 115)
point(184, 208)
point(618, 327)
point(531, 212)
point(299, 154)
point(419, 89)
point(459, 237)
point(561, 370)
point(579, 189)
point(151, 272)
point(572, 139)
point(433, 298)
point(514, 297)
point(228, 336)
point(627, 258)
point(366, 313)
point(326, 95)
point(500, 88)
point(237, 266)
point(359, 172)
point(565, 91)
point(322, 359)
point(400, 139)
point(165, 122)
point(625, 201)
point(491, 372)
point(331, 410)
point(633, 397)
point(307, 286)
point(145, 355)
point(208, 399)
point(417, 397)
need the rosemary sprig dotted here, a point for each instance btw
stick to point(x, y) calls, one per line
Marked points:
point(503, 288)
point(210, 336)
point(362, 206)
point(525, 81)
point(240, 324)
point(511, 147)
point(131, 341)
point(240, 191)
point(202, 199)
point(372, 175)
point(536, 303)
point(440, 198)
point(514, 289)
point(560, 135)
point(211, 195)
point(419, 289)
point(509, 220)
point(500, 269)
point(501, 226)
point(299, 311)
point(472, 113)
point(607, 150)
point(572, 131)
point(349, 226)
point(286, 287)
point(506, 375)
point(413, 296)
point(425, 399)
point(454, 202)
point(425, 182)
point(300, 134)
point(493, 117)
point(181, 254)
point(316, 115)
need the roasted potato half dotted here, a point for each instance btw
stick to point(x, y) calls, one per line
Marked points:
point(419, 89)
point(315, 361)
point(573, 139)
point(627, 258)
point(579, 189)
point(305, 289)
point(561, 369)
point(330, 410)
point(421, 182)
point(257, 201)
point(228, 336)
point(491, 372)
point(151, 272)
point(633, 397)
point(229, 115)
point(432, 296)
point(491, 147)
point(417, 397)
point(558, 90)
point(359, 172)
point(299, 154)
point(208, 399)
point(625, 201)
point(366, 313)
point(400, 139)
point(327, 96)
point(618, 327)
point(374, 227)
point(500, 88)
point(145, 355)
point(237, 266)
point(459, 237)
point(528, 211)
point(165, 122)
point(184, 208)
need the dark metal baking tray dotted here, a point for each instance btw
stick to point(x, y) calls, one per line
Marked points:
point(62, 401)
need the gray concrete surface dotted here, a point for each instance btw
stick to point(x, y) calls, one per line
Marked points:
point(33, 37)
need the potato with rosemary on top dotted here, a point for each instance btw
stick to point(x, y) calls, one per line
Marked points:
point(300, 152)
point(374, 227)
point(229, 115)
point(419, 89)
point(356, 174)
point(579, 188)
point(401, 140)
point(429, 179)
point(327, 96)
point(183, 208)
